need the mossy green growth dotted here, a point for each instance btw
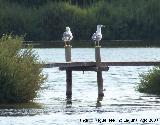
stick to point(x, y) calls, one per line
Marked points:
point(20, 71)
point(150, 81)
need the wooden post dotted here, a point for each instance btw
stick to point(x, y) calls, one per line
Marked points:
point(100, 84)
point(99, 73)
point(69, 83)
point(68, 72)
point(68, 53)
point(98, 55)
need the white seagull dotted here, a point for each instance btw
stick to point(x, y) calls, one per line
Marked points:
point(67, 36)
point(97, 36)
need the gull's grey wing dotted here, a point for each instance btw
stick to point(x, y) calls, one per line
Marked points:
point(94, 36)
point(70, 37)
point(67, 36)
point(98, 37)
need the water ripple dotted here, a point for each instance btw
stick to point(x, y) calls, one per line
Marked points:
point(120, 100)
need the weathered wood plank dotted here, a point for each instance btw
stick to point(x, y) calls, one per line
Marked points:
point(102, 64)
point(85, 68)
point(143, 63)
point(69, 64)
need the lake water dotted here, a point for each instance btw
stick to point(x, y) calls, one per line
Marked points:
point(121, 102)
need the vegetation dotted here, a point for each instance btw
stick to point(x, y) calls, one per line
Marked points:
point(20, 78)
point(45, 20)
point(150, 82)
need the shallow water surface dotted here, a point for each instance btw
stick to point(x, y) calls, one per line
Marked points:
point(121, 101)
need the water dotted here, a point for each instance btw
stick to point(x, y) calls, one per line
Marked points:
point(121, 101)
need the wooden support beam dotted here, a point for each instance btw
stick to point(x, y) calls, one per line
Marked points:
point(141, 63)
point(102, 64)
point(85, 68)
point(68, 64)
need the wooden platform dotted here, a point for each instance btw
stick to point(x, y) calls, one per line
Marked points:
point(64, 65)
point(98, 66)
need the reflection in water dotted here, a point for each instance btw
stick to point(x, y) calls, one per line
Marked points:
point(21, 112)
point(29, 105)
point(98, 104)
point(21, 109)
point(99, 99)
point(68, 102)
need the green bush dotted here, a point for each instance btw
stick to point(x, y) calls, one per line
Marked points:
point(150, 82)
point(20, 71)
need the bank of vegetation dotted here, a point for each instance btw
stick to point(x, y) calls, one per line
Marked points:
point(150, 82)
point(20, 71)
point(45, 20)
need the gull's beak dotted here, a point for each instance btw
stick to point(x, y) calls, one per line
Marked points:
point(103, 26)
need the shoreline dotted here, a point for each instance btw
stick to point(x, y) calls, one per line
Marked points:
point(90, 44)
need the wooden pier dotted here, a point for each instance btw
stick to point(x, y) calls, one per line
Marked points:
point(96, 66)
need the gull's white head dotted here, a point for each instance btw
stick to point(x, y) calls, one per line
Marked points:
point(67, 29)
point(100, 26)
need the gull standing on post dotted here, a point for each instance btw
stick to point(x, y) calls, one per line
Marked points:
point(97, 36)
point(67, 36)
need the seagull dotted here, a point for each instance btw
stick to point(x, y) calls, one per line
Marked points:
point(97, 36)
point(67, 36)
